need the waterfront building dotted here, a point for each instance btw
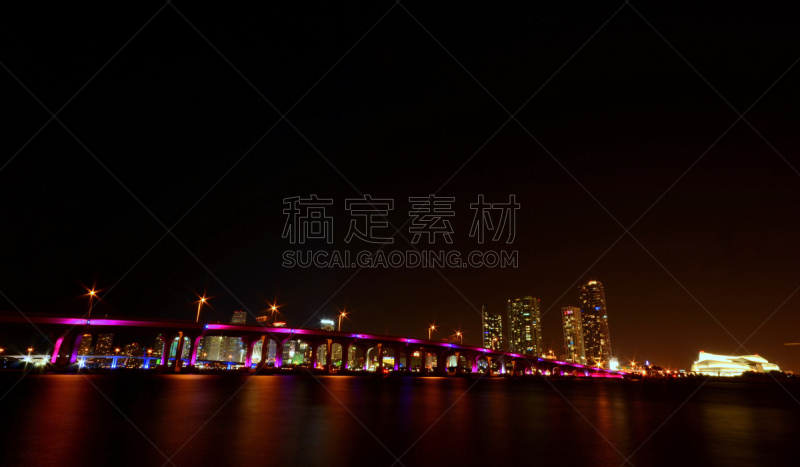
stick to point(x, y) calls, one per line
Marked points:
point(158, 346)
point(492, 329)
point(731, 365)
point(86, 345)
point(572, 324)
point(105, 345)
point(327, 325)
point(596, 337)
point(263, 316)
point(231, 349)
point(337, 353)
point(133, 350)
point(185, 351)
point(211, 349)
point(239, 317)
point(525, 326)
point(613, 364)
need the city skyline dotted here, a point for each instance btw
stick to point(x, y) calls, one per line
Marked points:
point(709, 205)
point(352, 231)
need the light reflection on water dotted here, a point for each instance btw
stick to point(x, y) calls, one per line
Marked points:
point(294, 420)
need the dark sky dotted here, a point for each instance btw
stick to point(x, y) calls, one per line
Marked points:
point(396, 117)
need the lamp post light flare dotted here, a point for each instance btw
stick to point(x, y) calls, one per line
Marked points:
point(430, 330)
point(343, 314)
point(92, 293)
point(199, 305)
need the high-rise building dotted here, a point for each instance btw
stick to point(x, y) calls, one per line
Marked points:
point(574, 350)
point(596, 338)
point(492, 330)
point(326, 325)
point(85, 348)
point(337, 353)
point(105, 345)
point(185, 351)
point(158, 346)
point(239, 317)
point(231, 349)
point(133, 350)
point(525, 326)
point(211, 349)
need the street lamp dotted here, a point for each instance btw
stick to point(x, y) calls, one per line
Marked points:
point(200, 304)
point(92, 293)
point(460, 337)
point(117, 351)
point(430, 330)
point(341, 315)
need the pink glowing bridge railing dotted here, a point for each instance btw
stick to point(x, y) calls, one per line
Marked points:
point(179, 325)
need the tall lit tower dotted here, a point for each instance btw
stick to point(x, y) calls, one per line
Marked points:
point(596, 338)
point(525, 326)
point(574, 351)
point(492, 330)
point(239, 317)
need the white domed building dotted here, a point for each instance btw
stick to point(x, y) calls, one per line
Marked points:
point(731, 365)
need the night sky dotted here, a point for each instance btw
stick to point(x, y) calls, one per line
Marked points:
point(620, 129)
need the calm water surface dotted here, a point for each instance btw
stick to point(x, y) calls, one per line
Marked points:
point(124, 419)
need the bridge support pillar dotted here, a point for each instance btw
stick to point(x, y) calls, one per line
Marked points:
point(459, 367)
point(179, 353)
point(345, 355)
point(328, 356)
point(167, 343)
point(379, 366)
point(195, 345)
point(441, 363)
point(63, 347)
point(396, 351)
point(364, 349)
point(404, 360)
point(314, 353)
point(264, 353)
point(249, 345)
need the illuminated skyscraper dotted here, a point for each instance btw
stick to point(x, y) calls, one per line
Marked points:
point(86, 345)
point(185, 350)
point(231, 349)
point(492, 330)
point(133, 350)
point(574, 350)
point(211, 349)
point(239, 317)
point(327, 325)
point(105, 345)
point(337, 353)
point(525, 326)
point(158, 346)
point(596, 338)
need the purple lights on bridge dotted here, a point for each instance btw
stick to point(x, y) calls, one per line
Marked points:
point(71, 330)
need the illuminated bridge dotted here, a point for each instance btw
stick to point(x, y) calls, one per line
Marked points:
point(66, 334)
